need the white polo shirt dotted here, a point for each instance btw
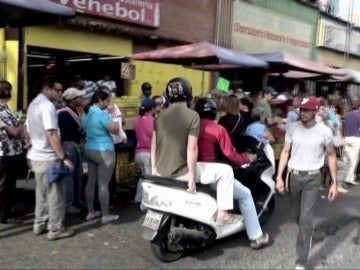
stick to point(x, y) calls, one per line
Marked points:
point(41, 116)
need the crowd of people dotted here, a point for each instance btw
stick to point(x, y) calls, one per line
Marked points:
point(65, 129)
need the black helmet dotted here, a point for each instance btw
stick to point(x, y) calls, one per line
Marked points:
point(179, 89)
point(206, 108)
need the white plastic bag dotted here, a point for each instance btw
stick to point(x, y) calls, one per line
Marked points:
point(121, 136)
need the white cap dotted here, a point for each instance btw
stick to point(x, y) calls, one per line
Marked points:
point(72, 93)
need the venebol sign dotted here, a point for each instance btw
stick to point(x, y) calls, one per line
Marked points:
point(142, 12)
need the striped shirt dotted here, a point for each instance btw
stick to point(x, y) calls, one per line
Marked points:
point(89, 88)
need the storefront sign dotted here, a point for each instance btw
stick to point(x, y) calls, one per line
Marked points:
point(142, 12)
point(257, 30)
point(335, 36)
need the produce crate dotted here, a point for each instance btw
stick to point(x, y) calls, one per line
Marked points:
point(130, 112)
point(126, 102)
point(123, 157)
point(126, 173)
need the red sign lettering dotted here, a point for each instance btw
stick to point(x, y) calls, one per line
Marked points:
point(141, 12)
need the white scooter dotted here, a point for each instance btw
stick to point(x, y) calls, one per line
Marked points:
point(177, 221)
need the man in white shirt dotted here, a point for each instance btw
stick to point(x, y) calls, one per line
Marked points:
point(306, 145)
point(46, 151)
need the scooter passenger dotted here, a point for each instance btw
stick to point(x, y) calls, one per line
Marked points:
point(174, 151)
point(214, 137)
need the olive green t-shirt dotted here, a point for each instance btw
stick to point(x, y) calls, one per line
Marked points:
point(267, 108)
point(172, 128)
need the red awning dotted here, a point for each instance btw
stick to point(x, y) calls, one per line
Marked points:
point(203, 56)
point(282, 62)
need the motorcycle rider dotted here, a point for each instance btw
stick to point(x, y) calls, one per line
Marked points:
point(174, 150)
point(214, 137)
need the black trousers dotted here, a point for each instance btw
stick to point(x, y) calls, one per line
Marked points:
point(8, 176)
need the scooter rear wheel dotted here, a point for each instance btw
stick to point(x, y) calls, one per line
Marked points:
point(162, 246)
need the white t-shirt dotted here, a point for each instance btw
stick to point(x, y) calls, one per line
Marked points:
point(308, 145)
point(41, 116)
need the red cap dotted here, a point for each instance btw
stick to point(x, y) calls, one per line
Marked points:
point(310, 103)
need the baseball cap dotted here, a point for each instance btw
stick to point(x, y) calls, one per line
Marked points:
point(147, 105)
point(310, 103)
point(72, 93)
point(270, 90)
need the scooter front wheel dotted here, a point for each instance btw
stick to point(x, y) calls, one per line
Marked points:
point(163, 247)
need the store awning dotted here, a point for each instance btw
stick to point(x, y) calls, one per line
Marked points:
point(202, 56)
point(294, 74)
point(283, 62)
point(20, 13)
point(355, 76)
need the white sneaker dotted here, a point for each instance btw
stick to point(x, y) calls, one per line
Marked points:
point(299, 267)
point(109, 218)
point(93, 215)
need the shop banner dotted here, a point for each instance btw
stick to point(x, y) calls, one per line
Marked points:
point(335, 36)
point(259, 30)
point(141, 12)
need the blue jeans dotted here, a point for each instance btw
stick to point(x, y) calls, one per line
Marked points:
point(143, 161)
point(74, 179)
point(247, 207)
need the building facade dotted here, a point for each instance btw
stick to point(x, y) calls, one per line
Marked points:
point(100, 40)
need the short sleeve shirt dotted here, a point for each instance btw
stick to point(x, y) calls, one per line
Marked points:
point(89, 89)
point(10, 146)
point(266, 106)
point(172, 128)
point(2, 136)
point(95, 124)
point(257, 130)
point(308, 145)
point(41, 117)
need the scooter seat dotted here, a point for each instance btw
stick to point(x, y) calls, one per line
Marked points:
point(169, 182)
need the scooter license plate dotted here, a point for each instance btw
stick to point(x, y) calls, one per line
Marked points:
point(152, 220)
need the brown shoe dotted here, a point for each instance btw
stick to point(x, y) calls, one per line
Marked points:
point(51, 235)
point(261, 242)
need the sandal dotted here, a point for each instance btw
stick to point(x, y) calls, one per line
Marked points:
point(231, 219)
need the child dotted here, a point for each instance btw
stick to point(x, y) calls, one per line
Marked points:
point(259, 131)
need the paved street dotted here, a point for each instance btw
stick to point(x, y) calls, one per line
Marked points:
point(120, 245)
